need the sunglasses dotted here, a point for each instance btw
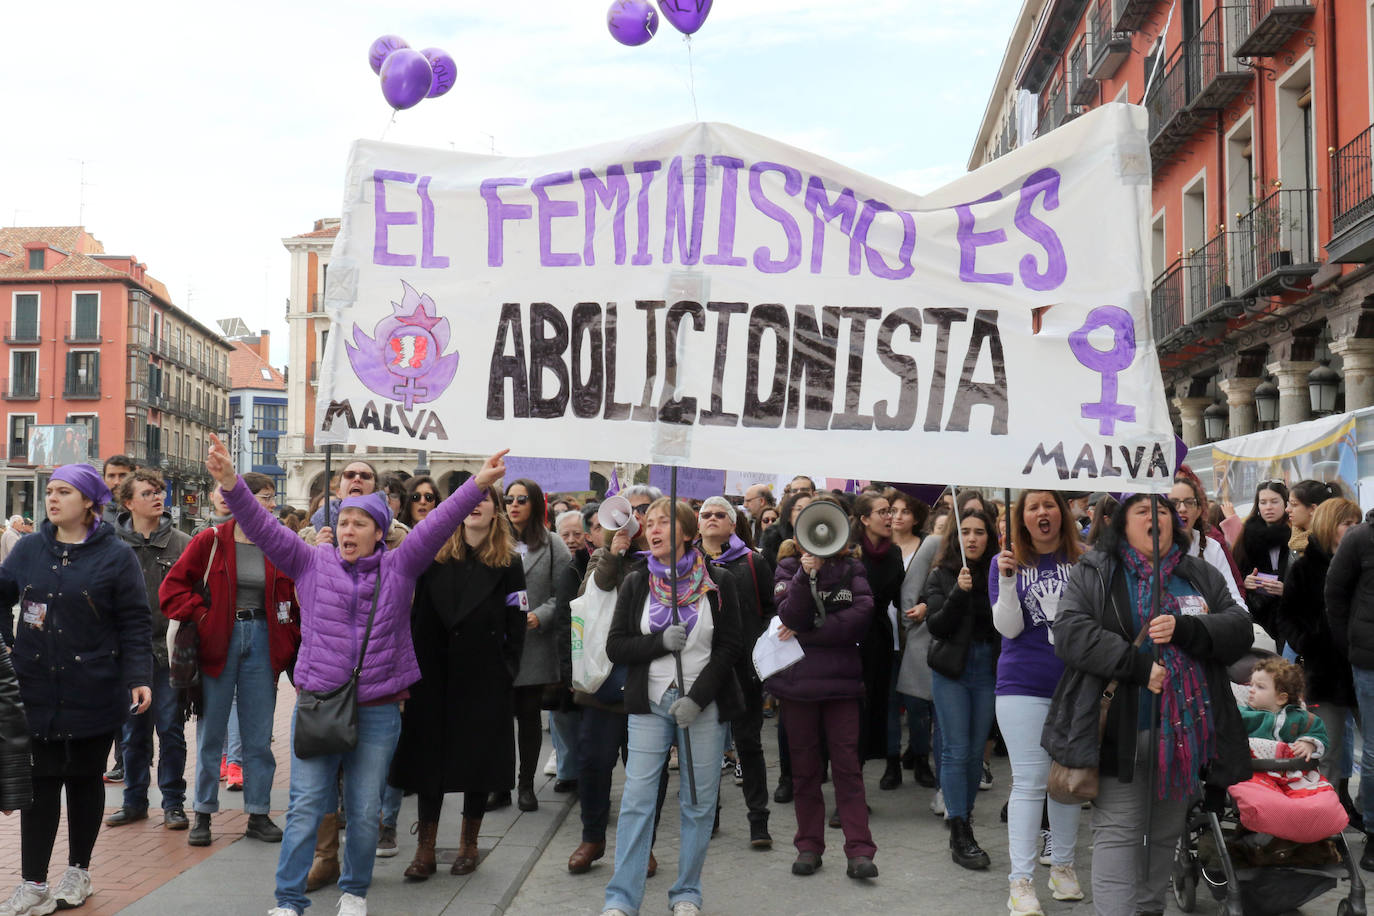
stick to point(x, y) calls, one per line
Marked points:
point(715, 515)
point(357, 475)
point(640, 510)
point(517, 500)
point(423, 497)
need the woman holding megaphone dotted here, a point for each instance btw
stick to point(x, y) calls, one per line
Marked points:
point(824, 602)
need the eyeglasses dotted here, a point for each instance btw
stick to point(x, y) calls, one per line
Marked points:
point(1187, 503)
point(357, 475)
point(715, 515)
point(418, 497)
point(885, 513)
point(517, 500)
point(640, 509)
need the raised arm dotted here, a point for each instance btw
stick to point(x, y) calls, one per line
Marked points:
point(418, 549)
point(276, 541)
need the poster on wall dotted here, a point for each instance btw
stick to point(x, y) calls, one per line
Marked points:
point(58, 444)
point(707, 297)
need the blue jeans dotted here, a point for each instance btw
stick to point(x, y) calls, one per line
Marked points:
point(165, 716)
point(650, 737)
point(314, 793)
point(248, 675)
point(233, 743)
point(1364, 692)
point(965, 709)
point(391, 805)
point(1022, 718)
point(563, 728)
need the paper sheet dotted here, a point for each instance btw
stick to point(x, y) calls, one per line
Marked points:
point(772, 654)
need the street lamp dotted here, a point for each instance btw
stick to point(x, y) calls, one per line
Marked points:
point(1322, 385)
point(1267, 403)
point(1214, 422)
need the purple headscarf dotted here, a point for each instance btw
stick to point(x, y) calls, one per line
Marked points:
point(88, 483)
point(375, 505)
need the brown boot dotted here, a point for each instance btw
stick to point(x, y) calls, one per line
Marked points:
point(325, 869)
point(423, 865)
point(466, 861)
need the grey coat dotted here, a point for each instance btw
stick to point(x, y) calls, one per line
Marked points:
point(1093, 635)
point(913, 678)
point(543, 568)
point(156, 554)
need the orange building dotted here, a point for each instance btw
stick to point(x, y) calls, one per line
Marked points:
point(1263, 222)
point(91, 339)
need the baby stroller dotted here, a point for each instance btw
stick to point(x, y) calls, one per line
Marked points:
point(1245, 874)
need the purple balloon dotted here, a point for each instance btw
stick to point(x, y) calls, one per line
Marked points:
point(445, 71)
point(686, 15)
point(406, 78)
point(632, 22)
point(381, 48)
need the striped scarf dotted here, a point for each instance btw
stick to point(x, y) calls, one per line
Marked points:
point(692, 584)
point(1187, 739)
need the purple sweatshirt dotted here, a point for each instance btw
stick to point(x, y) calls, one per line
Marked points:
point(1028, 665)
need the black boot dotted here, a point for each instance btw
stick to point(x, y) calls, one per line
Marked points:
point(909, 758)
point(922, 772)
point(892, 776)
point(1367, 860)
point(963, 848)
point(1343, 793)
point(783, 793)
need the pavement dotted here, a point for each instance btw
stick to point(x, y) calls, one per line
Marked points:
point(146, 870)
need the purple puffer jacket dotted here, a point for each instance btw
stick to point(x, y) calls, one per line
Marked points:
point(832, 668)
point(336, 597)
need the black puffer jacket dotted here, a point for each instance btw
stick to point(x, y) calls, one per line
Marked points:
point(1303, 624)
point(16, 769)
point(1350, 594)
point(1093, 635)
point(85, 633)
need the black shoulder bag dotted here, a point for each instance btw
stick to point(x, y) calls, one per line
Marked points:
point(327, 721)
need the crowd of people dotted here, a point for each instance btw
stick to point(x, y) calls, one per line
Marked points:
point(970, 625)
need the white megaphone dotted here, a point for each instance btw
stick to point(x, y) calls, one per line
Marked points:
point(616, 513)
point(822, 529)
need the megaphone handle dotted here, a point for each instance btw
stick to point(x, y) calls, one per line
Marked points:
point(820, 605)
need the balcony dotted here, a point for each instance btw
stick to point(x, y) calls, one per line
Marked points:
point(1054, 110)
point(21, 332)
point(138, 338)
point(1082, 87)
point(1278, 243)
point(1202, 75)
point(1269, 25)
point(1352, 202)
point(1171, 123)
point(81, 332)
point(1131, 14)
point(1109, 48)
point(20, 389)
point(1166, 303)
point(1209, 293)
point(80, 389)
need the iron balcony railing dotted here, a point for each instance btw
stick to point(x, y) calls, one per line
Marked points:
point(1082, 87)
point(81, 332)
point(1054, 110)
point(24, 388)
point(79, 388)
point(1279, 232)
point(1168, 96)
point(1207, 285)
point(1099, 28)
point(1352, 188)
point(1214, 75)
point(1267, 25)
point(21, 332)
point(1166, 301)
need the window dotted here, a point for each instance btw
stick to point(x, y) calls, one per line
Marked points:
point(265, 450)
point(266, 374)
point(153, 438)
point(37, 258)
point(25, 324)
point(86, 316)
point(92, 424)
point(19, 436)
point(83, 374)
point(269, 417)
point(24, 373)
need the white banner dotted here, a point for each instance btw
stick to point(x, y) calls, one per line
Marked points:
point(706, 296)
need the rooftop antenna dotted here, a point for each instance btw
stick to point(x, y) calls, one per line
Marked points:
point(81, 190)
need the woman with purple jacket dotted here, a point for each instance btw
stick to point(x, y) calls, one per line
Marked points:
point(337, 587)
point(823, 695)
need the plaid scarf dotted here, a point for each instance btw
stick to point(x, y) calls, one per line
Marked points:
point(1186, 736)
point(692, 584)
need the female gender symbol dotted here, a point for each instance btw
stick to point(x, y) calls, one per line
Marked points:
point(1107, 363)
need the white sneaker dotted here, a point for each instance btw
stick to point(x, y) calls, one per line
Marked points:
point(985, 781)
point(686, 908)
point(282, 911)
point(1064, 883)
point(937, 803)
point(1022, 900)
point(1046, 850)
point(614, 912)
point(551, 768)
point(29, 900)
point(352, 905)
point(73, 889)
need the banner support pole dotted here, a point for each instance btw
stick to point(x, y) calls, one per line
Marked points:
point(677, 656)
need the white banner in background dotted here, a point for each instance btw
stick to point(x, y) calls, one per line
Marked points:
point(706, 296)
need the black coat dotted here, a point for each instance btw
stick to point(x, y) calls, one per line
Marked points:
point(753, 578)
point(1303, 624)
point(1349, 594)
point(458, 731)
point(85, 636)
point(16, 769)
point(884, 575)
point(566, 590)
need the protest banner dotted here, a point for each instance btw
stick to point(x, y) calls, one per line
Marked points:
point(692, 483)
point(554, 475)
point(1323, 449)
point(706, 296)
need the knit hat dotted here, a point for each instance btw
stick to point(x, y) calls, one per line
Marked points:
point(723, 503)
point(375, 505)
point(86, 479)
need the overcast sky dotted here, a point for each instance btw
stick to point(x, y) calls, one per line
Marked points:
point(210, 132)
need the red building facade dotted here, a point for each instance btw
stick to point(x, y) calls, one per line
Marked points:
point(1262, 233)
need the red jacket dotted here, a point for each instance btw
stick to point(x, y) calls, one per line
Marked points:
point(182, 599)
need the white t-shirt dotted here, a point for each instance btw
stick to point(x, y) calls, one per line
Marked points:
point(695, 655)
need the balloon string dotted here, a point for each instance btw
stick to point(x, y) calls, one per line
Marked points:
point(692, 78)
point(388, 124)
